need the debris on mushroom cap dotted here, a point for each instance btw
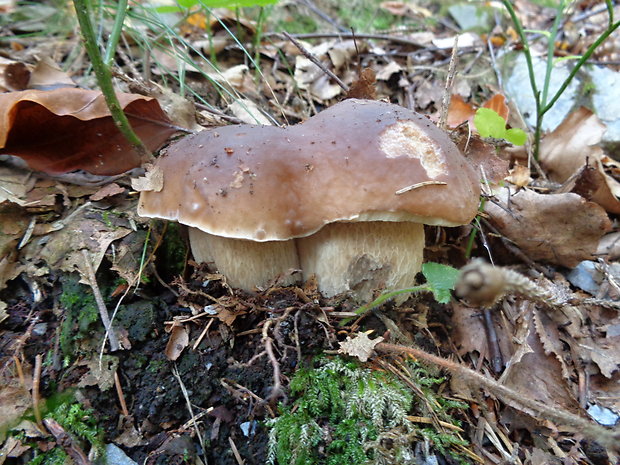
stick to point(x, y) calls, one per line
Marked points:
point(264, 183)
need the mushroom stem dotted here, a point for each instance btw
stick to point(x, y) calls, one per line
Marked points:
point(246, 264)
point(363, 256)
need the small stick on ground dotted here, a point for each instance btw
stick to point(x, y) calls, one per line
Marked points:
point(65, 441)
point(177, 375)
point(447, 95)
point(316, 61)
point(103, 311)
point(235, 451)
point(119, 393)
point(605, 437)
point(36, 381)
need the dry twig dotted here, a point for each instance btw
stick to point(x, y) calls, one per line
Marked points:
point(316, 61)
point(605, 437)
point(65, 441)
point(103, 311)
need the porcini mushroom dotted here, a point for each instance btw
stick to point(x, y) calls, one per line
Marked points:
point(343, 195)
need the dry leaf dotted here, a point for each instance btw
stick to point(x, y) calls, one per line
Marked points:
point(47, 74)
point(153, 180)
point(248, 112)
point(179, 340)
point(497, 103)
point(571, 153)
point(360, 346)
point(536, 375)
point(483, 157)
point(519, 175)
point(99, 374)
point(63, 247)
point(564, 151)
point(69, 129)
point(557, 228)
point(459, 111)
point(335, 55)
point(470, 334)
point(108, 190)
point(364, 86)
point(388, 70)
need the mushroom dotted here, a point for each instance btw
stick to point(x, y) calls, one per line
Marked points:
point(343, 196)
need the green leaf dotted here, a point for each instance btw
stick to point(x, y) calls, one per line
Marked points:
point(489, 123)
point(440, 279)
point(516, 136)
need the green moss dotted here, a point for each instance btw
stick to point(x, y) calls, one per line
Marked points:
point(78, 422)
point(155, 366)
point(345, 413)
point(81, 314)
point(138, 319)
point(172, 252)
point(354, 402)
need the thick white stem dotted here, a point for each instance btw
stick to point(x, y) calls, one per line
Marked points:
point(246, 264)
point(363, 256)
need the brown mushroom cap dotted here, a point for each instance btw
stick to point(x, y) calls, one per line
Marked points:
point(265, 183)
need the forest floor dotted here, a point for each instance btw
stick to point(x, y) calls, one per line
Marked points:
point(520, 365)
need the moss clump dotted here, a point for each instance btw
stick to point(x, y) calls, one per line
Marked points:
point(172, 252)
point(355, 403)
point(344, 413)
point(80, 424)
point(138, 319)
point(81, 313)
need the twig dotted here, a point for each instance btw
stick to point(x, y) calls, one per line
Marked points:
point(235, 451)
point(418, 185)
point(188, 402)
point(276, 389)
point(447, 94)
point(65, 441)
point(484, 285)
point(119, 393)
point(20, 370)
point(321, 14)
point(316, 61)
point(224, 116)
point(350, 35)
point(103, 311)
point(607, 438)
point(36, 381)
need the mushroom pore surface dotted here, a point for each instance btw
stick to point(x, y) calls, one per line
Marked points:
point(264, 184)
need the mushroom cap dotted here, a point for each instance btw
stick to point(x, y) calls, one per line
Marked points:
point(265, 183)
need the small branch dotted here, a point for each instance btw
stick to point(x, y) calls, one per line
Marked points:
point(119, 393)
point(36, 382)
point(65, 441)
point(321, 14)
point(316, 61)
point(605, 437)
point(447, 94)
point(103, 311)
point(350, 35)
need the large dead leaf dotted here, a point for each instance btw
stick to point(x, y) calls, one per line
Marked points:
point(69, 129)
point(84, 229)
point(556, 228)
point(470, 333)
point(571, 153)
point(537, 375)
